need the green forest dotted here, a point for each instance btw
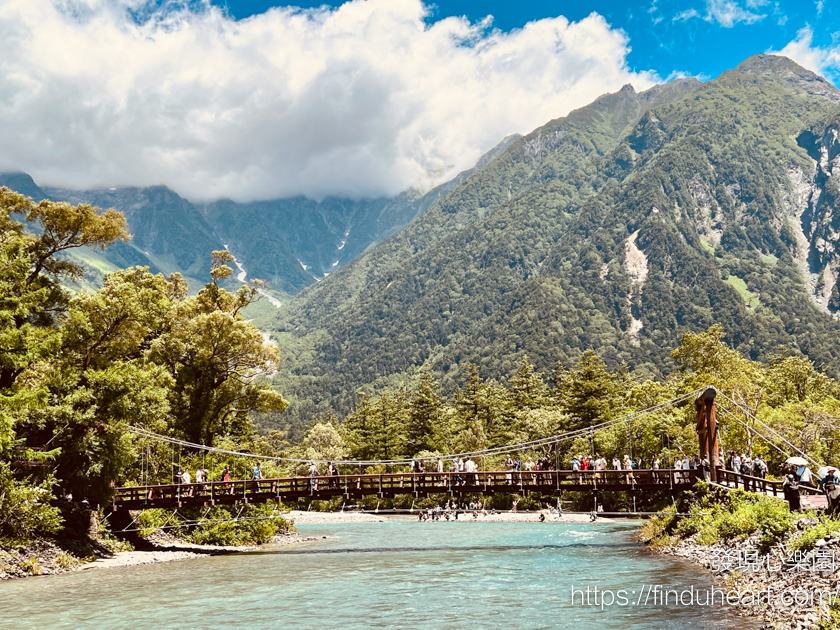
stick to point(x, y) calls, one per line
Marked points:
point(79, 370)
point(529, 256)
point(639, 249)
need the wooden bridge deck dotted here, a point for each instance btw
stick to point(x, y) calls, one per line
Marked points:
point(388, 485)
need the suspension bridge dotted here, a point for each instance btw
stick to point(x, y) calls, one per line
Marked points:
point(389, 485)
point(423, 484)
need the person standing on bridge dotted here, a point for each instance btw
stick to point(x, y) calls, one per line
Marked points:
point(226, 479)
point(628, 469)
point(509, 466)
point(470, 468)
point(575, 469)
point(313, 476)
point(760, 470)
point(805, 476)
point(830, 484)
point(257, 471)
point(332, 471)
point(185, 479)
point(529, 467)
point(201, 477)
point(790, 487)
point(746, 471)
point(600, 467)
point(705, 466)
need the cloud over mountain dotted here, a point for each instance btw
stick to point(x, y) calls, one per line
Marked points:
point(359, 100)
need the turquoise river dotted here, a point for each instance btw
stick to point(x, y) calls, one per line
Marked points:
point(395, 574)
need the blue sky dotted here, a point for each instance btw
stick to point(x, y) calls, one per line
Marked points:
point(698, 37)
point(234, 98)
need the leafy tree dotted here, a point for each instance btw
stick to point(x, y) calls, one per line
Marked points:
point(25, 509)
point(323, 441)
point(216, 359)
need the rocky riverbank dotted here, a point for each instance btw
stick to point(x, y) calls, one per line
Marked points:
point(48, 557)
point(790, 587)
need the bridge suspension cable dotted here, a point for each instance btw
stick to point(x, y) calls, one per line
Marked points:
point(499, 450)
point(765, 438)
point(749, 414)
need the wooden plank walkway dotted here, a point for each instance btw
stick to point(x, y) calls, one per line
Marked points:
point(388, 485)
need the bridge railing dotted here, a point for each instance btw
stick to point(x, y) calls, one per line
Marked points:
point(758, 484)
point(398, 483)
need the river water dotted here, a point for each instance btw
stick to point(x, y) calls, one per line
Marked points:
point(396, 574)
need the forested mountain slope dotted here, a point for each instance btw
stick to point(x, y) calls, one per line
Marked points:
point(291, 243)
point(618, 228)
point(404, 302)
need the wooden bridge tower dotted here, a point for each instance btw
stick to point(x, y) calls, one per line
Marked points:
point(707, 431)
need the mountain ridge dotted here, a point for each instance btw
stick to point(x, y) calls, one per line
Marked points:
point(291, 243)
point(607, 251)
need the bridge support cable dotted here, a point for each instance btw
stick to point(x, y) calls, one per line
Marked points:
point(758, 433)
point(500, 450)
point(749, 414)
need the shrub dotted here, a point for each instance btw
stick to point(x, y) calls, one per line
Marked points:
point(31, 566)
point(66, 560)
point(25, 509)
point(717, 516)
point(807, 540)
point(255, 525)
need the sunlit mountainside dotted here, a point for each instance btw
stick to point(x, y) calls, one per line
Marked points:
point(618, 227)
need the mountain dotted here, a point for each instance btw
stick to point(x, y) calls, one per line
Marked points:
point(292, 243)
point(618, 227)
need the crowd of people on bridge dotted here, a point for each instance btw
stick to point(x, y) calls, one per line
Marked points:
point(586, 469)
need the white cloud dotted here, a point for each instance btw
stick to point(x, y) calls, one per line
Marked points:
point(683, 16)
point(359, 100)
point(823, 61)
point(727, 13)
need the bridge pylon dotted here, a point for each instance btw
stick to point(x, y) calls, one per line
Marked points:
point(707, 430)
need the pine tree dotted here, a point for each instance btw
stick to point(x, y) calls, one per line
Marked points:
point(424, 413)
point(527, 388)
point(391, 420)
point(591, 393)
